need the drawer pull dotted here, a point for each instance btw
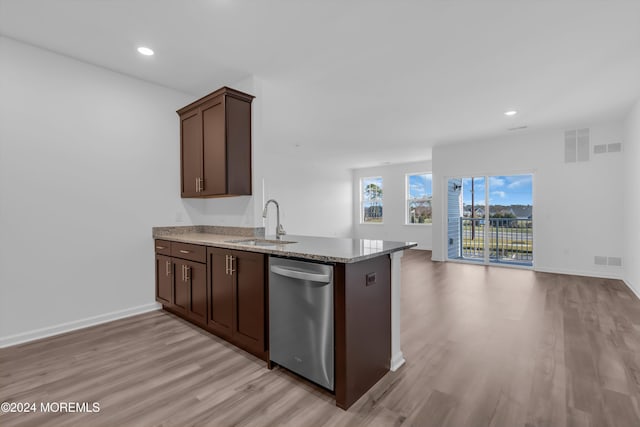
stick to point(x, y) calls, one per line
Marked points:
point(182, 251)
point(160, 248)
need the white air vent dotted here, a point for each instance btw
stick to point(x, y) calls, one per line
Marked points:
point(614, 148)
point(583, 145)
point(615, 261)
point(600, 260)
point(599, 149)
point(576, 145)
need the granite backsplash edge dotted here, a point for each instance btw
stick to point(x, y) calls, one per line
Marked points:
point(158, 232)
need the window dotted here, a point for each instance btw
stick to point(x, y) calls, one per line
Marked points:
point(371, 200)
point(419, 198)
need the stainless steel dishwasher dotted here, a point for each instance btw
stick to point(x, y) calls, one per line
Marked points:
point(301, 318)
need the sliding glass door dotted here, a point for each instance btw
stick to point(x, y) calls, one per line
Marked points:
point(490, 219)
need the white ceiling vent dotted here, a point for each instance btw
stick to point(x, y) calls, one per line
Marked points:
point(576, 145)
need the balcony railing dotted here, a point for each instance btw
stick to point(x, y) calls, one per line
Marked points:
point(510, 240)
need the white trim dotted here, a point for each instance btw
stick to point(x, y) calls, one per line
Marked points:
point(397, 361)
point(491, 264)
point(597, 274)
point(62, 328)
point(631, 288)
point(397, 358)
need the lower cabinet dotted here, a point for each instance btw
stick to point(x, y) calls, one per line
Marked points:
point(164, 279)
point(237, 298)
point(219, 289)
point(181, 284)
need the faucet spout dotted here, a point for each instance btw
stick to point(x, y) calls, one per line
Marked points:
point(279, 228)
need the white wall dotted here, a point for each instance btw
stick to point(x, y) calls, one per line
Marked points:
point(89, 163)
point(632, 200)
point(394, 225)
point(314, 197)
point(577, 206)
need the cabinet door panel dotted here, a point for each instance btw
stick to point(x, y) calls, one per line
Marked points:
point(220, 317)
point(180, 288)
point(164, 280)
point(191, 152)
point(214, 148)
point(249, 324)
point(198, 294)
point(238, 146)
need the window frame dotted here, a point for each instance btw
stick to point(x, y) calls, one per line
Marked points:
point(363, 201)
point(408, 200)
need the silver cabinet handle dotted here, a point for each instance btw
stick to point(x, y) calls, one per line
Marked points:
point(168, 269)
point(182, 273)
point(182, 251)
point(187, 273)
point(231, 269)
point(160, 248)
point(199, 185)
point(226, 264)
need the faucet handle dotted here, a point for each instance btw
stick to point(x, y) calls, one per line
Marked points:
point(280, 231)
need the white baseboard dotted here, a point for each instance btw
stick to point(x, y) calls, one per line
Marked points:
point(76, 324)
point(598, 274)
point(396, 361)
point(631, 288)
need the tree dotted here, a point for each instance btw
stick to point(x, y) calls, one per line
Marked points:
point(373, 192)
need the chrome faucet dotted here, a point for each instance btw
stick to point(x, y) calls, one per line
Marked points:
point(279, 229)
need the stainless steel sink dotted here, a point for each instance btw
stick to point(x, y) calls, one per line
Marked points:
point(260, 242)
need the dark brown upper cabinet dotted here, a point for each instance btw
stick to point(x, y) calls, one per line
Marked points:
point(215, 145)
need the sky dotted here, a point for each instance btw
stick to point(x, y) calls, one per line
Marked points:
point(503, 190)
point(419, 185)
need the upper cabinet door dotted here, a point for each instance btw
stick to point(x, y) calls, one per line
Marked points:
point(191, 153)
point(214, 148)
point(216, 145)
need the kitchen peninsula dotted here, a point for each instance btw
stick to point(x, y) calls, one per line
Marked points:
point(217, 278)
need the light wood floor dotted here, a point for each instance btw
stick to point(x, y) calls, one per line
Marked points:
point(484, 347)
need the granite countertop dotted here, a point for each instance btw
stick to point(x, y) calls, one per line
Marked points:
point(326, 249)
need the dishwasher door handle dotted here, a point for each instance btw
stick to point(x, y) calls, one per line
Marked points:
point(301, 275)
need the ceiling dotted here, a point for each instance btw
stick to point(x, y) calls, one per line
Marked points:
point(364, 82)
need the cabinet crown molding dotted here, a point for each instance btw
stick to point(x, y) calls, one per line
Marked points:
point(225, 90)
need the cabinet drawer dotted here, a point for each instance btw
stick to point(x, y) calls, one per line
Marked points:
point(188, 251)
point(163, 247)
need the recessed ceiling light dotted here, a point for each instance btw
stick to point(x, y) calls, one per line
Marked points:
point(145, 51)
point(510, 113)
